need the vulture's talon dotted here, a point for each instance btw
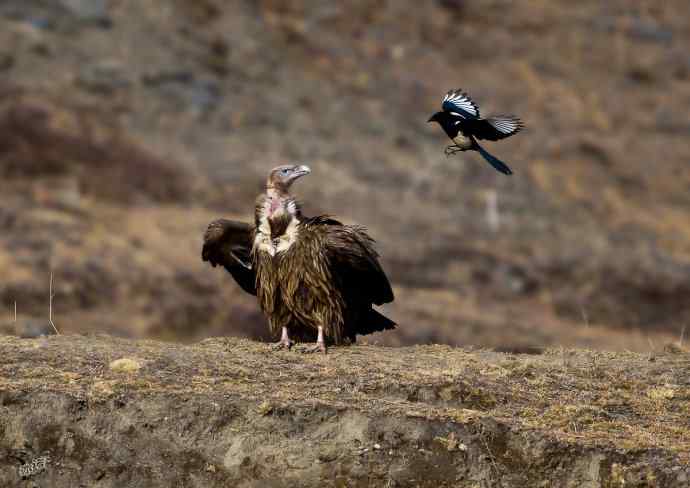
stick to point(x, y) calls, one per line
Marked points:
point(277, 346)
point(316, 348)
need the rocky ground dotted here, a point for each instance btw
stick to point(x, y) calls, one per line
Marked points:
point(107, 412)
point(128, 125)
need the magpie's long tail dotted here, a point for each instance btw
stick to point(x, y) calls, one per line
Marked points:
point(493, 160)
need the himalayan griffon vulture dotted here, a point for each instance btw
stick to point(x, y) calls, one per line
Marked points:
point(311, 275)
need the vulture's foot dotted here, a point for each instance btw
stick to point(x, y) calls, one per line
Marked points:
point(318, 347)
point(282, 344)
point(320, 343)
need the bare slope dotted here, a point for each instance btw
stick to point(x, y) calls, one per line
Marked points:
point(227, 412)
point(170, 112)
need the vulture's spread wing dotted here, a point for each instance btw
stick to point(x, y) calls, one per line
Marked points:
point(355, 261)
point(496, 127)
point(229, 243)
point(460, 104)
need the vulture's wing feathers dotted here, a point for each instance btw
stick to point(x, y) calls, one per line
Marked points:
point(229, 243)
point(352, 254)
point(496, 127)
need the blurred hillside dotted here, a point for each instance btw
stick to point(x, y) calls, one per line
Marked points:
point(127, 126)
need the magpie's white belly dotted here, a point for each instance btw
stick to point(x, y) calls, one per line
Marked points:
point(462, 141)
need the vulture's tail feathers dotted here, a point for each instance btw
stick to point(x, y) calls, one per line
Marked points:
point(493, 160)
point(373, 321)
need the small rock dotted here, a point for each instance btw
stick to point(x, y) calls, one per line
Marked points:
point(661, 393)
point(41, 23)
point(265, 408)
point(104, 77)
point(327, 456)
point(6, 61)
point(89, 10)
point(377, 446)
point(675, 348)
point(205, 95)
point(30, 329)
point(451, 442)
point(125, 365)
point(648, 31)
point(161, 77)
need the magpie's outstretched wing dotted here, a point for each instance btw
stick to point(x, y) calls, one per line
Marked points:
point(496, 127)
point(228, 243)
point(460, 104)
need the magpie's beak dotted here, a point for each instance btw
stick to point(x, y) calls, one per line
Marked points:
point(431, 119)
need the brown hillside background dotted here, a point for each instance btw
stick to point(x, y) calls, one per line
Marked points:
point(127, 125)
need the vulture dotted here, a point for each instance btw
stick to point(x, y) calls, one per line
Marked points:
point(312, 276)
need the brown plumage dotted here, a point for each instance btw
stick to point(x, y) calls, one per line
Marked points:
point(310, 275)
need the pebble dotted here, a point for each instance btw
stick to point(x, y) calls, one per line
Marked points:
point(125, 365)
point(89, 10)
point(104, 77)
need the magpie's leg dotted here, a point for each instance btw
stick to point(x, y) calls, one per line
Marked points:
point(452, 149)
point(284, 342)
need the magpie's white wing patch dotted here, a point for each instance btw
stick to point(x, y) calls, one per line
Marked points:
point(460, 104)
point(505, 125)
point(497, 127)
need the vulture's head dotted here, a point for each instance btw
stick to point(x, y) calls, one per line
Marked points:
point(282, 177)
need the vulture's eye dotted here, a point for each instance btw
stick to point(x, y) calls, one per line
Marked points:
point(285, 172)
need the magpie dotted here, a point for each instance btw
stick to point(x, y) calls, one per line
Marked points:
point(460, 119)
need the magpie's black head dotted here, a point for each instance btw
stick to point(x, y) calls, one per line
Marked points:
point(436, 117)
point(448, 123)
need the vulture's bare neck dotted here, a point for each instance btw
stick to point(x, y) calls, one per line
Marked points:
point(279, 204)
point(277, 219)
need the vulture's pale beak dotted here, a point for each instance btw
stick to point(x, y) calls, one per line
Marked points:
point(301, 171)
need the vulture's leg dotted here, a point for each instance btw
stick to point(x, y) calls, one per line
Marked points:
point(284, 342)
point(320, 343)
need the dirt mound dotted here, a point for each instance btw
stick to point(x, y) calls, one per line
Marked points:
point(230, 412)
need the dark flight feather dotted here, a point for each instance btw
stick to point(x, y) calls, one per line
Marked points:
point(229, 243)
point(496, 128)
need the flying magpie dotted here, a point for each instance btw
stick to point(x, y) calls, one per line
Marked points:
point(460, 119)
